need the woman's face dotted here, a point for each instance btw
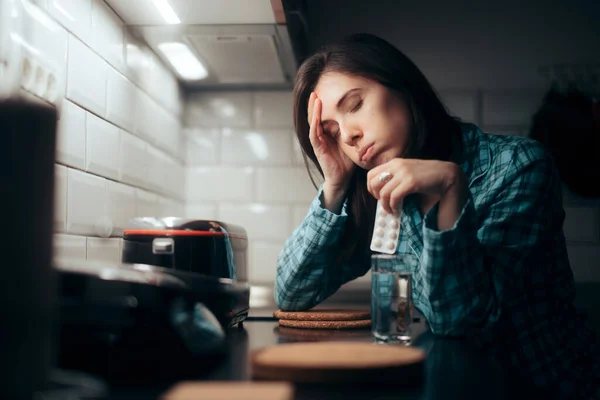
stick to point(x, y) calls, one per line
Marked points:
point(370, 124)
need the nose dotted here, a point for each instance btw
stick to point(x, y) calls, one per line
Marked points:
point(349, 133)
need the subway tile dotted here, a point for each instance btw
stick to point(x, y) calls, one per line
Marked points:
point(75, 15)
point(297, 152)
point(145, 204)
point(86, 80)
point(201, 211)
point(284, 184)
point(156, 169)
point(584, 262)
point(202, 146)
point(121, 101)
point(107, 32)
point(256, 147)
point(261, 221)
point(102, 154)
point(133, 165)
point(273, 109)
point(510, 107)
point(60, 198)
point(120, 206)
point(461, 104)
point(163, 207)
point(219, 110)
point(108, 250)
point(146, 117)
point(263, 261)
point(222, 183)
point(69, 247)
point(49, 40)
point(174, 178)
point(168, 132)
point(86, 201)
point(70, 146)
point(582, 225)
point(165, 88)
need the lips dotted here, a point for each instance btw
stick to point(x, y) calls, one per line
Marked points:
point(366, 153)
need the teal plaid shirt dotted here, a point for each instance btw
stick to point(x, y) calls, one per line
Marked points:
point(500, 275)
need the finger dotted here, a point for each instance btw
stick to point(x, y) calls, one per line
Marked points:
point(397, 196)
point(311, 103)
point(315, 126)
point(385, 193)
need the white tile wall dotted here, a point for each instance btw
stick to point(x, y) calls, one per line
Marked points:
point(103, 140)
point(69, 246)
point(462, 104)
point(60, 198)
point(145, 204)
point(218, 110)
point(75, 15)
point(86, 80)
point(119, 137)
point(262, 221)
point(201, 211)
point(263, 261)
point(273, 109)
point(99, 249)
point(221, 183)
point(202, 146)
point(86, 199)
point(120, 205)
point(70, 146)
point(121, 104)
point(284, 185)
point(258, 146)
point(107, 34)
point(134, 160)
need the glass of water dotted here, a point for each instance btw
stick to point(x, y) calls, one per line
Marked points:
point(391, 297)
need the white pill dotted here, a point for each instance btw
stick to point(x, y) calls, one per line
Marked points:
point(381, 222)
point(393, 235)
point(391, 245)
point(377, 242)
point(394, 224)
point(379, 232)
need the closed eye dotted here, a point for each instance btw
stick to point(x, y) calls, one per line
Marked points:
point(357, 106)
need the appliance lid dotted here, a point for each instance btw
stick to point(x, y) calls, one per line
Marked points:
point(175, 226)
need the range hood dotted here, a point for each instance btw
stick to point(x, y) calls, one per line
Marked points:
point(239, 43)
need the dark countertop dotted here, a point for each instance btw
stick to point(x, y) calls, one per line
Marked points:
point(453, 368)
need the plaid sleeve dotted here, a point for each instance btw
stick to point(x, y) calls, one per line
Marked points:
point(469, 266)
point(306, 269)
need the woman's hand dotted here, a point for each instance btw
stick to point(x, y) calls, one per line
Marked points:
point(337, 167)
point(401, 177)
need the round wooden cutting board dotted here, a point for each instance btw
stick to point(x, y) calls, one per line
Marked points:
point(357, 324)
point(323, 315)
point(338, 362)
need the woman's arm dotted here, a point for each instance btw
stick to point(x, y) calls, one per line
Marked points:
point(469, 266)
point(307, 272)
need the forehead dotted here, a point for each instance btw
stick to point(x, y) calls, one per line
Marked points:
point(333, 85)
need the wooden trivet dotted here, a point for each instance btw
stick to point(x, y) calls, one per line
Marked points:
point(323, 315)
point(230, 391)
point(339, 362)
point(365, 323)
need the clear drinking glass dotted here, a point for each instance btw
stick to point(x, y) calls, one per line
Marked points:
point(391, 297)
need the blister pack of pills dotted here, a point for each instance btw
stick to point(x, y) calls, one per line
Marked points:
point(386, 230)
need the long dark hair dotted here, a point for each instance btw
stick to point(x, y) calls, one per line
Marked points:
point(433, 130)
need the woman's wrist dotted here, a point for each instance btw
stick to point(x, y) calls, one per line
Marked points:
point(333, 197)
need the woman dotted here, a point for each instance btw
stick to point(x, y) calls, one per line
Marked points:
point(483, 213)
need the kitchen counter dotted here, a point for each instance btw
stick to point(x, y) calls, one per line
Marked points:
point(453, 368)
